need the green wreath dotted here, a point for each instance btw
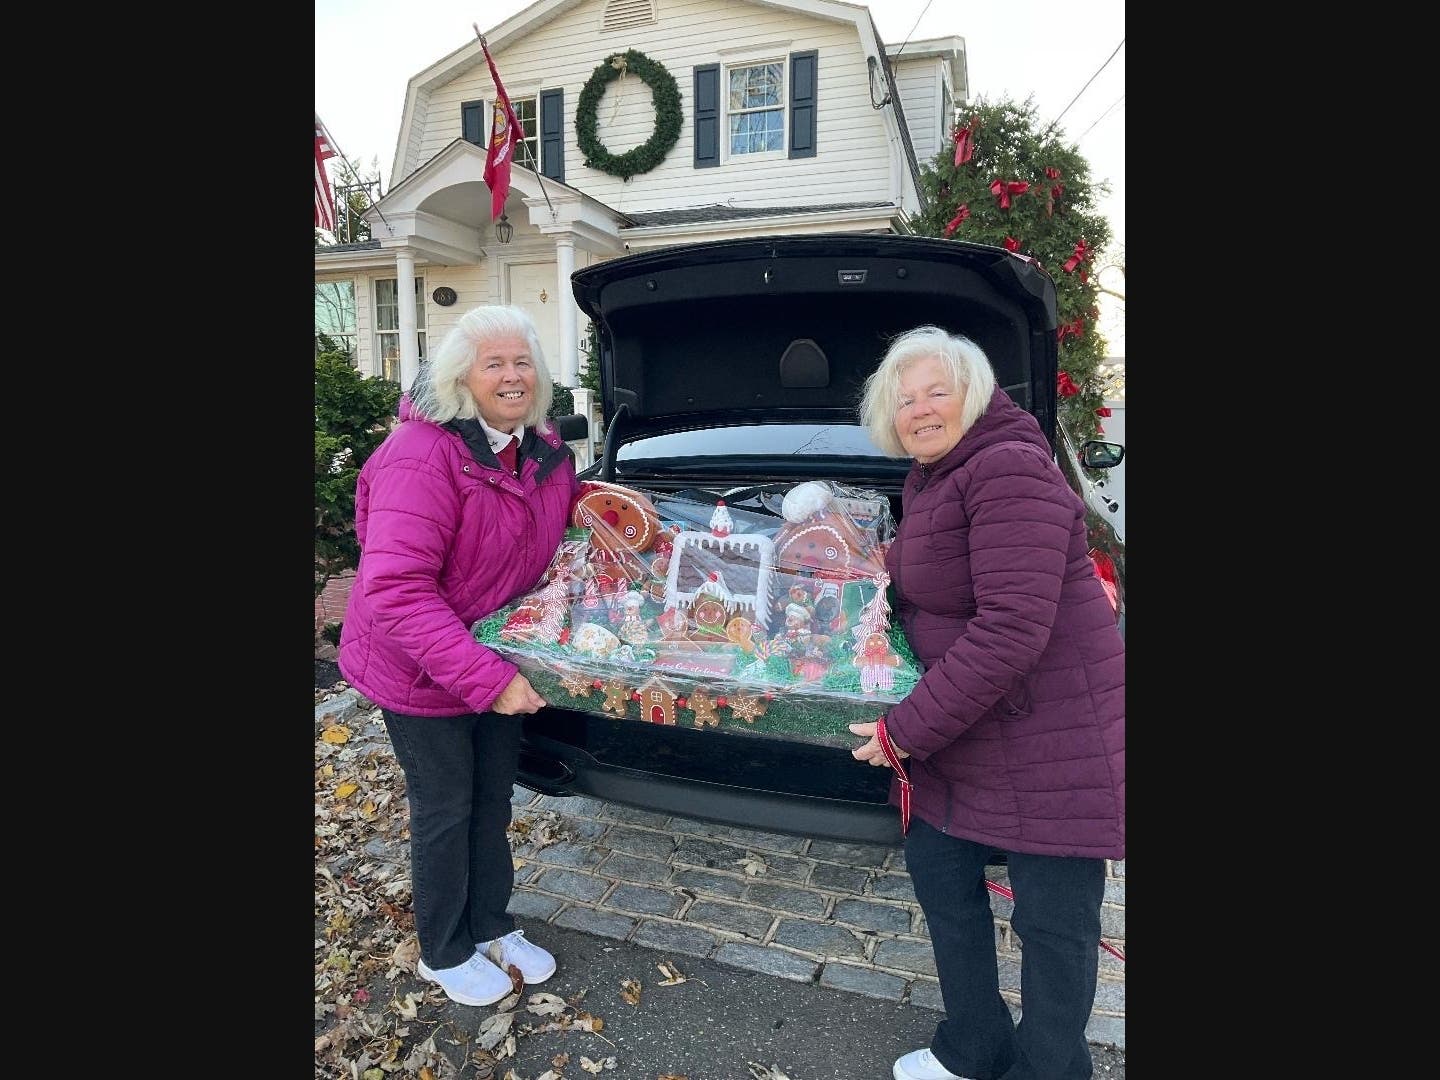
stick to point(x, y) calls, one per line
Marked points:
point(667, 115)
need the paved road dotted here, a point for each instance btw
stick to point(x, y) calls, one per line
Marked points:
point(713, 1025)
point(818, 964)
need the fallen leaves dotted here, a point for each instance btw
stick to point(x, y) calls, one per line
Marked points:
point(365, 938)
point(671, 973)
point(760, 1072)
point(630, 991)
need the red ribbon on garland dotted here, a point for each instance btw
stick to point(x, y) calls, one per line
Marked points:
point(1003, 190)
point(960, 216)
point(1011, 244)
point(1066, 385)
point(965, 142)
point(1081, 254)
point(1075, 326)
point(1104, 410)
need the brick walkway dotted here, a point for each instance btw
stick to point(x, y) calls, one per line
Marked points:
point(842, 915)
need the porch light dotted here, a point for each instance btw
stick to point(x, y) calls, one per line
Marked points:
point(504, 230)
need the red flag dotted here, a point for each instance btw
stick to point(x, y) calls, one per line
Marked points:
point(324, 196)
point(504, 131)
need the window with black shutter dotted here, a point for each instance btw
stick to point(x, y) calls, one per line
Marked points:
point(472, 122)
point(803, 69)
point(552, 134)
point(707, 116)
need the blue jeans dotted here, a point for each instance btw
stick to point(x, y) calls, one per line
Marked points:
point(1057, 917)
point(459, 775)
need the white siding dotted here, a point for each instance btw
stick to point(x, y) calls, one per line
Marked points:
point(853, 162)
point(472, 284)
point(919, 82)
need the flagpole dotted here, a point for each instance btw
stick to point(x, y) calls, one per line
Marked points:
point(360, 183)
point(523, 143)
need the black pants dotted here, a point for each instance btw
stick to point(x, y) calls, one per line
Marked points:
point(459, 775)
point(1057, 916)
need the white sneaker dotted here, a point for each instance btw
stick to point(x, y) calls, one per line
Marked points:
point(921, 1065)
point(535, 964)
point(475, 982)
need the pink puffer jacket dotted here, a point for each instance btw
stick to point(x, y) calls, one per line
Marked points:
point(447, 536)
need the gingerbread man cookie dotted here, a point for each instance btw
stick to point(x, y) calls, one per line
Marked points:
point(621, 520)
point(617, 697)
point(704, 706)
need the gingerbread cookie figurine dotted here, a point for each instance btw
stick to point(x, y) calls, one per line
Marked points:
point(877, 664)
point(617, 697)
point(704, 706)
point(748, 707)
point(632, 627)
point(819, 536)
point(621, 520)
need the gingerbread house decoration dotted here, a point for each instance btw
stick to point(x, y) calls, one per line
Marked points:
point(657, 702)
point(721, 577)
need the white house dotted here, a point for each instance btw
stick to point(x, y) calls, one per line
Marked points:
point(795, 117)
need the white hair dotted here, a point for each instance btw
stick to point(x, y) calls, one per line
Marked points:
point(965, 363)
point(439, 392)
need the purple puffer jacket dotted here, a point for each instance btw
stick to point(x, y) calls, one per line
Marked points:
point(1017, 729)
point(447, 536)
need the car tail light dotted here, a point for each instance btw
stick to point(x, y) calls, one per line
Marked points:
point(1105, 571)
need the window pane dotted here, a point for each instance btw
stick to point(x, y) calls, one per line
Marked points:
point(753, 133)
point(525, 112)
point(335, 307)
point(755, 87)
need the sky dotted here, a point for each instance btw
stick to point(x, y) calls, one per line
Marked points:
point(367, 50)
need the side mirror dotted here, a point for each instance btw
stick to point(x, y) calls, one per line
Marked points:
point(1101, 455)
point(572, 428)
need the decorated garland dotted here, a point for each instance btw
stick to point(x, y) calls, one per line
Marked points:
point(667, 115)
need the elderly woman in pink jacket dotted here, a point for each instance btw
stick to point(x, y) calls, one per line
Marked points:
point(458, 512)
point(1014, 740)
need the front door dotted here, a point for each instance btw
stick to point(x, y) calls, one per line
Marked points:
point(532, 287)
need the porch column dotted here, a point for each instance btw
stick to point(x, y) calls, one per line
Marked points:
point(409, 345)
point(564, 267)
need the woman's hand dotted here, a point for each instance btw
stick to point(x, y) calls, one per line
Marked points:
point(518, 697)
point(871, 752)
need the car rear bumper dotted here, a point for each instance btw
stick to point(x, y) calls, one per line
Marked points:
point(556, 768)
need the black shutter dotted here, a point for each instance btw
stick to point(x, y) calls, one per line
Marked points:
point(803, 69)
point(707, 116)
point(552, 134)
point(472, 122)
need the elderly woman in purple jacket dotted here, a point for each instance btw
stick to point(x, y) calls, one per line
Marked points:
point(1014, 739)
point(458, 512)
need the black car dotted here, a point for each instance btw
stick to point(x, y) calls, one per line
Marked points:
point(733, 370)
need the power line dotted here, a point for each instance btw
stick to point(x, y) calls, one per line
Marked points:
point(1082, 90)
point(912, 28)
point(1102, 116)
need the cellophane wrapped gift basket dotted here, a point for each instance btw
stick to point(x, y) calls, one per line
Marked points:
point(665, 610)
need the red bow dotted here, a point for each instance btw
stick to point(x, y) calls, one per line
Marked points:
point(1002, 190)
point(1104, 410)
point(960, 216)
point(1066, 385)
point(1052, 173)
point(1075, 326)
point(964, 143)
point(1011, 244)
point(1081, 254)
